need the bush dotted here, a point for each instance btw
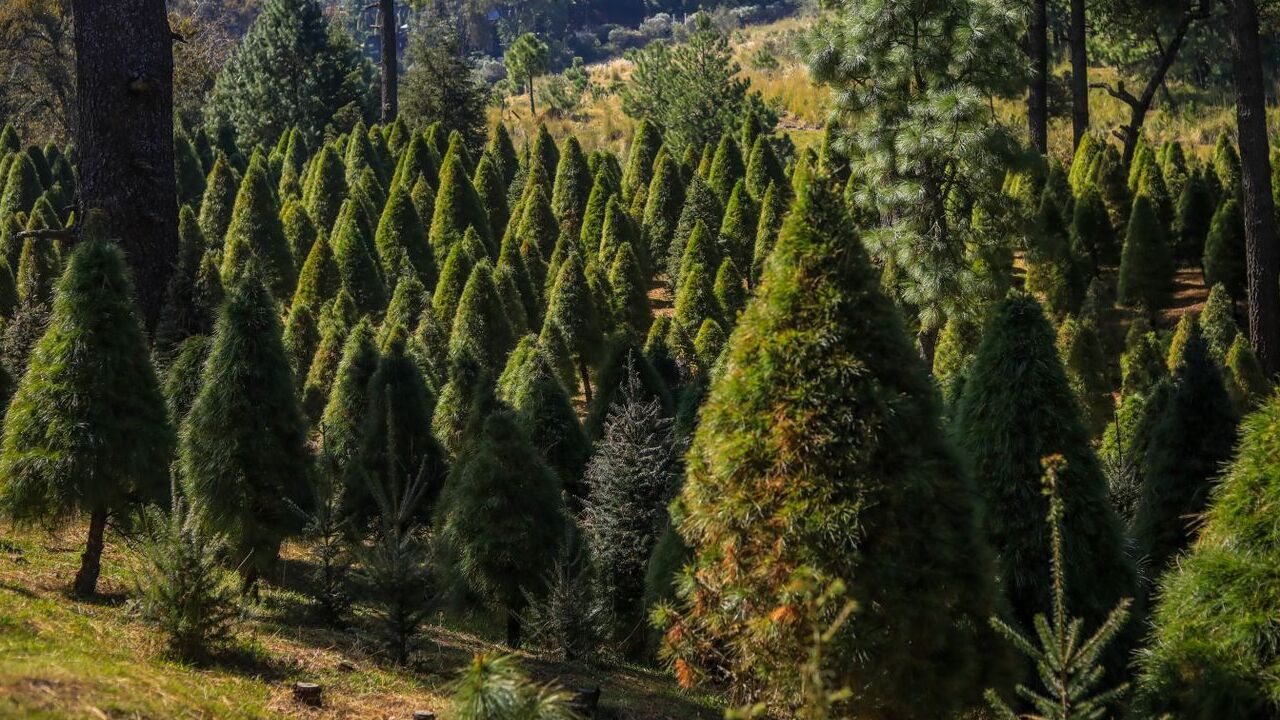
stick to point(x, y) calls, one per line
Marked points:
point(1146, 268)
point(1224, 250)
point(495, 688)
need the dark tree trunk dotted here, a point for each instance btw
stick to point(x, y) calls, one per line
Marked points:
point(124, 132)
point(585, 371)
point(1038, 94)
point(1079, 74)
point(513, 631)
point(390, 61)
point(533, 111)
point(1262, 254)
point(86, 582)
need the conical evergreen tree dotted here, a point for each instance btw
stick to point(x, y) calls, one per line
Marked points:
point(87, 430)
point(301, 338)
point(700, 206)
point(407, 303)
point(772, 211)
point(183, 378)
point(572, 187)
point(1091, 229)
point(534, 391)
point(21, 191)
point(1211, 651)
point(538, 226)
point(8, 291)
point(727, 169)
point(730, 293)
point(618, 230)
point(784, 401)
point(183, 315)
point(501, 479)
point(402, 240)
point(952, 358)
point(503, 151)
point(593, 217)
point(629, 293)
point(299, 231)
point(416, 161)
point(424, 198)
point(335, 323)
point(37, 272)
point(511, 261)
point(662, 207)
point(1247, 383)
point(318, 282)
point(1226, 165)
point(644, 149)
point(480, 326)
point(1218, 324)
point(1017, 408)
point(342, 424)
point(1146, 268)
point(360, 155)
point(1189, 443)
point(738, 230)
point(243, 454)
point(1195, 213)
point(545, 156)
point(186, 166)
point(1053, 270)
point(453, 280)
point(571, 310)
point(294, 162)
point(458, 207)
point(763, 169)
point(327, 190)
point(493, 194)
point(255, 232)
point(1084, 361)
point(358, 271)
point(1224, 250)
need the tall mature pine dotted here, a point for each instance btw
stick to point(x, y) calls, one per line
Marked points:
point(824, 413)
point(1016, 409)
point(244, 456)
point(87, 430)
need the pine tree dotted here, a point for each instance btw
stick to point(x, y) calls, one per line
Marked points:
point(633, 474)
point(416, 161)
point(1224, 260)
point(299, 231)
point(458, 207)
point(358, 271)
point(730, 292)
point(534, 391)
point(1146, 268)
point(493, 194)
point(957, 345)
point(624, 355)
point(87, 430)
point(360, 155)
point(453, 280)
point(738, 230)
point(696, 300)
point(785, 400)
point(21, 191)
point(630, 297)
point(1017, 407)
point(1189, 442)
point(186, 166)
point(243, 451)
point(602, 195)
point(1084, 361)
point(727, 169)
point(255, 232)
point(772, 211)
point(1194, 217)
point(662, 207)
point(480, 325)
point(290, 52)
point(763, 169)
point(572, 187)
point(183, 315)
point(37, 272)
point(1247, 384)
point(293, 163)
point(319, 280)
point(1053, 271)
point(8, 291)
point(571, 310)
point(618, 230)
point(1091, 228)
point(1210, 653)
point(700, 206)
point(708, 345)
point(1218, 324)
point(1226, 165)
point(327, 190)
point(503, 151)
point(545, 156)
point(501, 479)
point(646, 143)
point(538, 226)
point(183, 378)
point(345, 412)
point(402, 240)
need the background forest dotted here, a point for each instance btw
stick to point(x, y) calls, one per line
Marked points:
point(555, 359)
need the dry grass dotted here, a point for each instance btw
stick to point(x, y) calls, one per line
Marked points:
point(65, 658)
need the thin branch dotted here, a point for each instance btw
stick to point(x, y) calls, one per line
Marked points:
point(58, 234)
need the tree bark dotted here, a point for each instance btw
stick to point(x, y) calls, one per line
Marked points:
point(124, 132)
point(390, 61)
point(1261, 253)
point(1079, 74)
point(533, 112)
point(86, 582)
point(1038, 93)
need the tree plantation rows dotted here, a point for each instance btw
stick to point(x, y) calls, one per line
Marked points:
point(914, 421)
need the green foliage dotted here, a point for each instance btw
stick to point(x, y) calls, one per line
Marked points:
point(402, 240)
point(1226, 165)
point(571, 310)
point(1146, 268)
point(663, 205)
point(358, 271)
point(535, 392)
point(1246, 382)
point(730, 292)
point(292, 70)
point(1182, 334)
point(184, 314)
point(439, 84)
point(186, 166)
point(572, 187)
point(1218, 323)
point(642, 155)
point(1085, 363)
point(495, 688)
point(1143, 362)
point(37, 272)
point(777, 441)
point(1053, 271)
point(1017, 408)
point(182, 584)
point(21, 191)
point(1189, 442)
point(764, 168)
point(326, 189)
point(1069, 668)
point(299, 231)
point(773, 208)
point(243, 450)
point(458, 207)
point(87, 429)
point(602, 195)
point(739, 227)
point(256, 237)
point(691, 90)
point(501, 479)
point(629, 297)
point(493, 193)
point(1194, 218)
point(1212, 641)
point(700, 206)
point(346, 410)
point(727, 167)
point(481, 329)
point(503, 151)
point(183, 378)
point(1224, 260)
point(1091, 229)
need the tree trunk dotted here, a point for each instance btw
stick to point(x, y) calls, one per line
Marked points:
point(1261, 253)
point(1079, 74)
point(86, 582)
point(513, 630)
point(533, 112)
point(1038, 94)
point(585, 371)
point(124, 133)
point(390, 61)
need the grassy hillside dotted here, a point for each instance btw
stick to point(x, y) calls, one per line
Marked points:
point(63, 658)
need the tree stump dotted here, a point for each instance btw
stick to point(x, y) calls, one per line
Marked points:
point(586, 701)
point(423, 715)
point(307, 693)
